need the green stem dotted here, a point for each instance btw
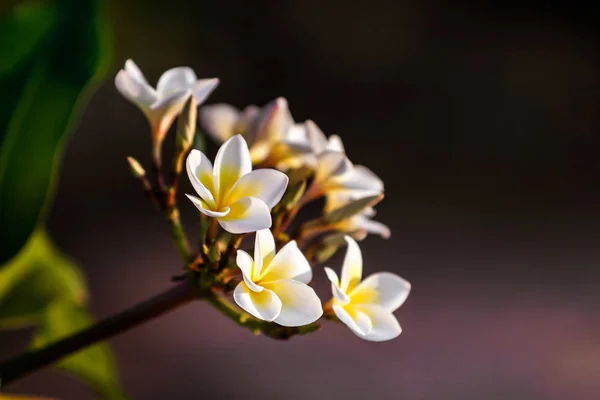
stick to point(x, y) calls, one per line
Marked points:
point(179, 236)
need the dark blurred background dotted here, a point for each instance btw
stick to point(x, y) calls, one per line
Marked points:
point(482, 119)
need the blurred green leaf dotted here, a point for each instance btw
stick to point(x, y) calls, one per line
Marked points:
point(57, 51)
point(35, 278)
point(55, 54)
point(27, 26)
point(95, 364)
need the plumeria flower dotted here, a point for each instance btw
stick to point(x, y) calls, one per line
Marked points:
point(273, 137)
point(161, 105)
point(335, 174)
point(239, 198)
point(223, 121)
point(359, 225)
point(275, 285)
point(319, 143)
point(367, 307)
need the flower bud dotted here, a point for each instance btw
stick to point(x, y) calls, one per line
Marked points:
point(352, 208)
point(136, 168)
point(186, 125)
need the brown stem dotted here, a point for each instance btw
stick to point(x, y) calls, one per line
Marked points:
point(157, 168)
point(31, 361)
point(288, 220)
point(233, 245)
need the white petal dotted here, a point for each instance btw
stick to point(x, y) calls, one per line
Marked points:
point(385, 325)
point(296, 138)
point(390, 290)
point(264, 250)
point(247, 122)
point(300, 305)
point(352, 267)
point(369, 212)
point(139, 93)
point(274, 121)
point(199, 170)
point(362, 178)
point(264, 305)
point(231, 163)
point(133, 71)
point(331, 164)
point(204, 87)
point(332, 276)
point(246, 265)
point(246, 215)
point(335, 287)
point(317, 138)
point(266, 184)
point(289, 263)
point(205, 209)
point(172, 104)
point(175, 80)
point(219, 121)
point(163, 111)
point(335, 144)
point(373, 226)
point(358, 322)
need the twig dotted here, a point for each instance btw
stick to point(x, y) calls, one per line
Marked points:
point(31, 361)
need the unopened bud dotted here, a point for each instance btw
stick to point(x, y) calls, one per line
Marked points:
point(136, 168)
point(352, 208)
point(186, 125)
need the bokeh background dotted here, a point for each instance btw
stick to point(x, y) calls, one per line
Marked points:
point(482, 119)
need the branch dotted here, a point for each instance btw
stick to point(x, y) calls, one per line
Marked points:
point(31, 361)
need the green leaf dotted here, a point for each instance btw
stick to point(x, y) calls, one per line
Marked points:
point(35, 278)
point(27, 26)
point(351, 209)
point(41, 286)
point(95, 365)
point(55, 54)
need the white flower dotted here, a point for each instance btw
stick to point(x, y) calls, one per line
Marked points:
point(240, 199)
point(222, 121)
point(274, 286)
point(161, 105)
point(309, 141)
point(335, 174)
point(272, 135)
point(319, 143)
point(367, 307)
point(359, 225)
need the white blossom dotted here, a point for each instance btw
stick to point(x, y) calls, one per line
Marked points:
point(367, 306)
point(240, 199)
point(275, 285)
point(273, 136)
point(163, 104)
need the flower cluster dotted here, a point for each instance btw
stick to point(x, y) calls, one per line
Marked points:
point(268, 167)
